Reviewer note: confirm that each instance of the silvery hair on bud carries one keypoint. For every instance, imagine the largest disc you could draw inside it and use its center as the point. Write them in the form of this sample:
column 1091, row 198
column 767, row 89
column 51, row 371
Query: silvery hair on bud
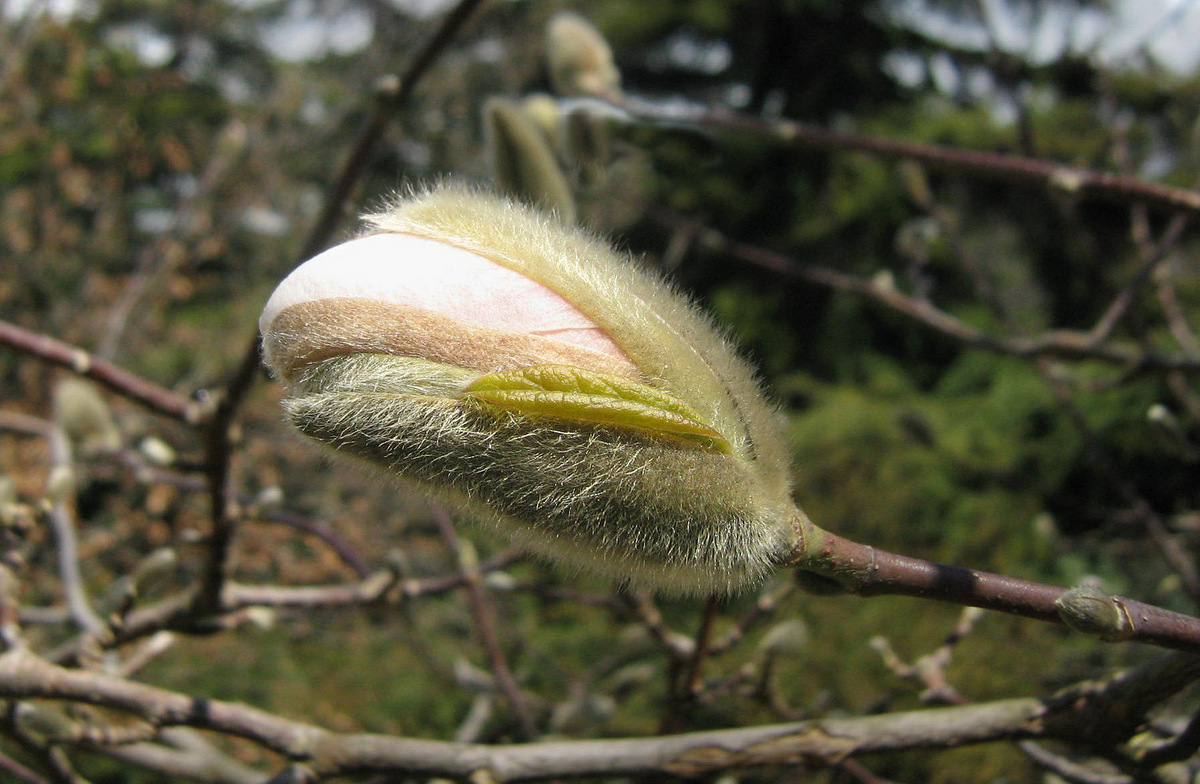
column 652, row 511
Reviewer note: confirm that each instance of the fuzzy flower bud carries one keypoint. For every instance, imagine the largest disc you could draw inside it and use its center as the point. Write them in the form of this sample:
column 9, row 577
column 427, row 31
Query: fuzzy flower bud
column 580, row 60
column 527, row 374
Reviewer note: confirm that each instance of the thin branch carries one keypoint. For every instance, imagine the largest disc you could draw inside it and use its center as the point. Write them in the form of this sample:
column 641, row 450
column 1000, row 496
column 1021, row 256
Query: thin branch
column 688, row 680
column 484, row 614
column 365, row 591
column 1182, row 746
column 145, row 473
column 860, row 773
column 1153, row 255
column 217, row 454
column 154, row 397
column 191, row 765
column 1060, row 344
column 156, row 262
column 219, row 435
column 61, row 520
column 921, row 192
column 1068, row 770
column 1172, row 552
column 929, row 671
column 678, row 646
column 1054, row 177
column 766, row 605
column 867, row 571
column 1173, row 312
column 393, row 96
column 16, row 769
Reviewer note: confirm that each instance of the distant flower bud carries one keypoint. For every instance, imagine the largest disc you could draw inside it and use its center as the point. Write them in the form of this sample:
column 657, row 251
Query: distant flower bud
column 784, row 638
column 83, row 414
column 580, row 60
column 156, row 451
column 269, row 500
column 60, row 484
column 526, row 373
column 523, row 165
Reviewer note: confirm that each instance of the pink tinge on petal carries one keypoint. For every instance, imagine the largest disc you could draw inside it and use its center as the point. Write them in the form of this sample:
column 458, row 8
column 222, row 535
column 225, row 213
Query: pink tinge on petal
column 408, row 270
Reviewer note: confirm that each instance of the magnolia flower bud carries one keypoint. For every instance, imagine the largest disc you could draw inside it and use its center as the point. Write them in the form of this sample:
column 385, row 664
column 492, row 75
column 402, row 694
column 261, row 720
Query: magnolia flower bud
column 580, row 60
column 523, row 371
column 522, row 162
column 84, row 416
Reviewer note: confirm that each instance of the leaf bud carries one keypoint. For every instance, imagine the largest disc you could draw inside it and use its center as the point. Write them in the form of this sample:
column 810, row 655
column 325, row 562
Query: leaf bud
column 1090, row 609
column 537, row 380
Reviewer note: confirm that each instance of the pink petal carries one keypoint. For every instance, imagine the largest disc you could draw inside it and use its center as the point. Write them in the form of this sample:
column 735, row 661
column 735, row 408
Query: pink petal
column 414, row 271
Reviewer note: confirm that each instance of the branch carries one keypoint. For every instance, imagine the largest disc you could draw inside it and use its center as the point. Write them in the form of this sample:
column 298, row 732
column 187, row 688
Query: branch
column 186, row 755
column 687, row 679
column 766, row 604
column 61, row 520
column 866, row 571
column 1074, row 181
column 150, row 395
column 1062, row 344
column 929, row 671
column 1096, row 714
column 484, row 613
column 1068, row 770
column 19, row 771
column 159, row 260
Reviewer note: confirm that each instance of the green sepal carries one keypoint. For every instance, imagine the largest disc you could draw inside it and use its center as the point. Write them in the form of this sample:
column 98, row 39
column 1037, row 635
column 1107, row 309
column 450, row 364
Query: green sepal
column 565, row 392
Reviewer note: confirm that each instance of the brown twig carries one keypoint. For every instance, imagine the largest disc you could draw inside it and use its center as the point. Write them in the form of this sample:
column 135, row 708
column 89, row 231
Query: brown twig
column 146, row 473
column 678, row 646
column 394, row 95
column 1059, row 344
column 1069, row 770
column 485, row 622
column 16, row 769
column 689, row 678
column 921, row 192
column 929, row 671
column 389, row 102
column 1152, row 255
column 154, row 397
column 1070, row 180
column 1182, row 746
column 867, row 571
column 1172, row 552
column 766, row 605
